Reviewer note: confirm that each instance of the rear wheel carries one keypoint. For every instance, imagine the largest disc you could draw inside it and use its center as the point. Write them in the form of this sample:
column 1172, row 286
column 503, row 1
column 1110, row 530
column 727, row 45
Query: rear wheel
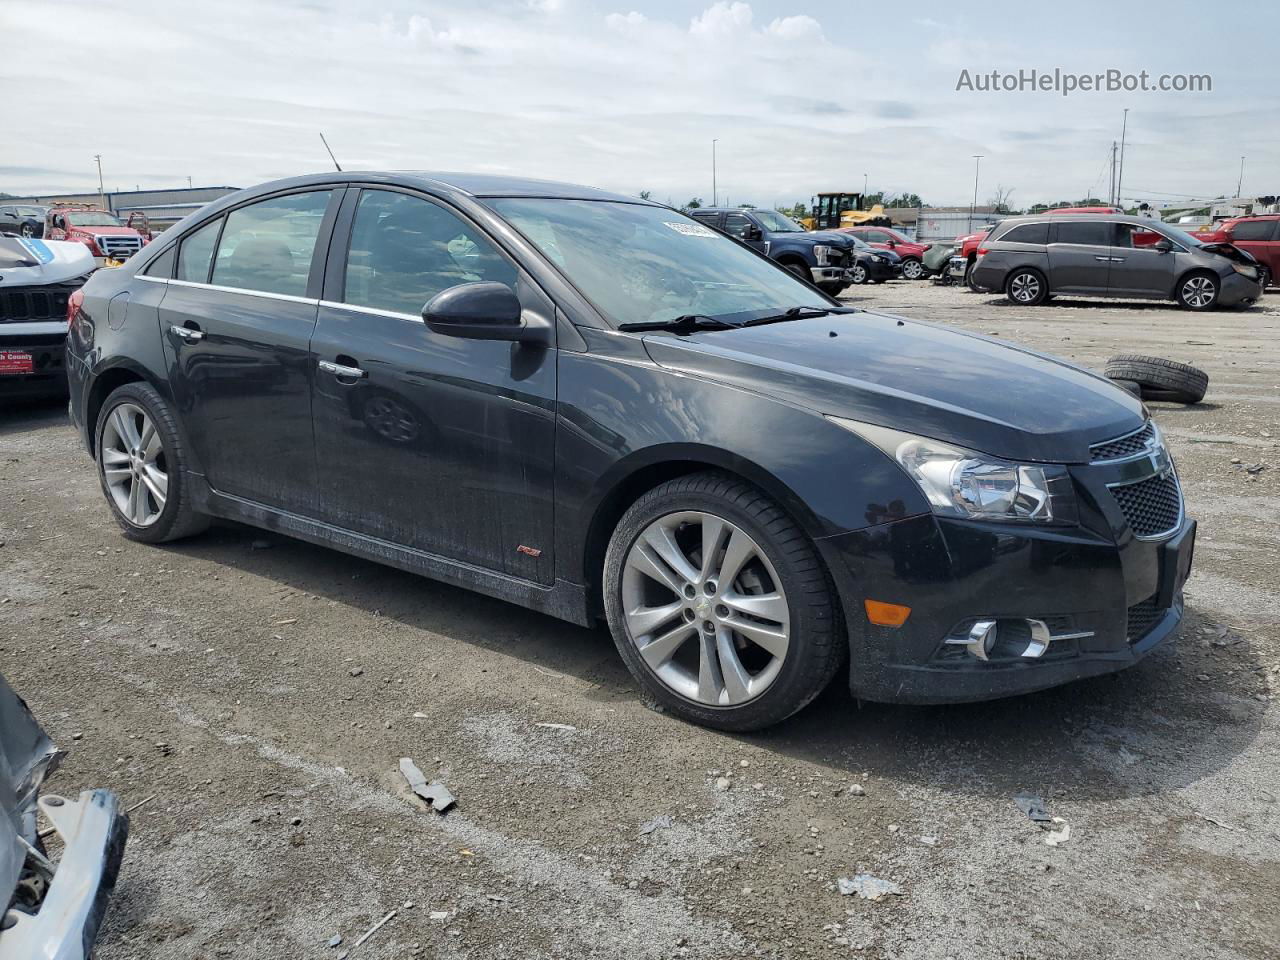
column 141, row 461
column 719, row 604
column 912, row 269
column 1199, row 291
column 1026, row 287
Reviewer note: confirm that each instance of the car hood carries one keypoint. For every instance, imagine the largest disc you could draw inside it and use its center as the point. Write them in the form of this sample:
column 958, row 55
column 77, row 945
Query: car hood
column 1230, row 251
column 829, row 237
column 930, row 380
column 27, row 262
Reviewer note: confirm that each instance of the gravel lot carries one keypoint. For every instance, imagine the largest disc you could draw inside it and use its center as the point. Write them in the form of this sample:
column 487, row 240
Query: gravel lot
column 264, row 696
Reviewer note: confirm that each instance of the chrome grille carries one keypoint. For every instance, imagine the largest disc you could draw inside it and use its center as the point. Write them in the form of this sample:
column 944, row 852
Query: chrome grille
column 1152, row 506
column 1126, row 446
column 119, row 247
column 1142, row 617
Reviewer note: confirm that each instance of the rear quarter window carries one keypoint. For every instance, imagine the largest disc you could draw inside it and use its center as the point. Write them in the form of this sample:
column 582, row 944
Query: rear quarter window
column 1027, row 233
column 1254, row 230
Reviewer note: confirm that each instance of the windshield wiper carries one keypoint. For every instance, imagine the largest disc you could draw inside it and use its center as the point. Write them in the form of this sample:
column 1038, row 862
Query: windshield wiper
column 798, row 313
column 687, row 323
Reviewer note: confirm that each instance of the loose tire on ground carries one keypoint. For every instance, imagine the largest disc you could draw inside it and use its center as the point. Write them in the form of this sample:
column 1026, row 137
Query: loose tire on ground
column 176, row 518
column 684, row 509
column 1160, row 379
column 1129, row 386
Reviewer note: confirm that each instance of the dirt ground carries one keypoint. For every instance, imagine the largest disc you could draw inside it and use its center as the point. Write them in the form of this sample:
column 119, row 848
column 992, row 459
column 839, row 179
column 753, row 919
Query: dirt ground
column 259, row 699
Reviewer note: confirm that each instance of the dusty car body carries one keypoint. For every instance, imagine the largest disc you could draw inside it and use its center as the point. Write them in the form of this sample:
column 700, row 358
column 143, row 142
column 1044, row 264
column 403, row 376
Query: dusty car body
column 50, row 911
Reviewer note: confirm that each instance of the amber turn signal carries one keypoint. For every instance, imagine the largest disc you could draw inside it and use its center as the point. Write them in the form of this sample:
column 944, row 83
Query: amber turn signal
column 886, row 614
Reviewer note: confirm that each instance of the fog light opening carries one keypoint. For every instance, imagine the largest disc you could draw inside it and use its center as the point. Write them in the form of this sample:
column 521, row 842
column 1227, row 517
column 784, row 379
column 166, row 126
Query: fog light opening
column 978, row 640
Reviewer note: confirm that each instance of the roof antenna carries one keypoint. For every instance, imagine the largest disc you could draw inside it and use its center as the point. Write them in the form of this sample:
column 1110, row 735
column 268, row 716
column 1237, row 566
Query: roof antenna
column 331, row 156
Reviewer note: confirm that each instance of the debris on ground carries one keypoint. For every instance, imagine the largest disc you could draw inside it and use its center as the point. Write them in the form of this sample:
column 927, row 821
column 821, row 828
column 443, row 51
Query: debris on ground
column 335, row 940
column 1057, row 838
column 868, row 887
column 723, row 783
column 1033, row 807
column 556, row 726
column 435, row 793
column 856, row 790
column 657, row 823
column 374, row 929
column 439, row 914
column 929, row 841
column 1218, row 823
column 356, row 671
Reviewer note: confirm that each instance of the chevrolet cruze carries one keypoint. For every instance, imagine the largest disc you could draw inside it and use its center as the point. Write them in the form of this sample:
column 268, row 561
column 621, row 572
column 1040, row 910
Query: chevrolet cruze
column 602, row 409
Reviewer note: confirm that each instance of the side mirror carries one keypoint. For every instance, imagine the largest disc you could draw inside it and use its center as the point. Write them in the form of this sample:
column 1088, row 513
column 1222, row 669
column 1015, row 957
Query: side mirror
column 892, row 244
column 751, row 232
column 483, row 311
column 1164, row 245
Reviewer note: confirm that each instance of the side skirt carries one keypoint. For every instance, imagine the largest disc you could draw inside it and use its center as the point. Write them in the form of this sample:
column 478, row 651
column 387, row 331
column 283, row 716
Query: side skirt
column 567, row 601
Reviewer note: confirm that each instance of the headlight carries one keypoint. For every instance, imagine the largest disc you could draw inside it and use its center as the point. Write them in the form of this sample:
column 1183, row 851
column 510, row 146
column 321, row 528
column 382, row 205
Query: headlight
column 820, row 254
column 962, row 483
column 1246, row 269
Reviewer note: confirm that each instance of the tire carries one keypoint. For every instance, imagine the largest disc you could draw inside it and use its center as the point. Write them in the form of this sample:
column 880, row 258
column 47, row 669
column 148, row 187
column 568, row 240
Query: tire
column 831, row 289
column 1264, row 277
column 968, row 277
column 694, row 680
column 28, row 230
column 800, row 270
column 146, row 517
column 1026, row 287
column 1198, row 291
column 859, row 273
column 1129, row 386
column 1160, row 379
column 912, row 269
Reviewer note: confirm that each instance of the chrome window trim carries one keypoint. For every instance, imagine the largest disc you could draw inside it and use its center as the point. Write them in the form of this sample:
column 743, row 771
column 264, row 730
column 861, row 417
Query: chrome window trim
column 151, row 279
column 374, row 311
column 288, row 297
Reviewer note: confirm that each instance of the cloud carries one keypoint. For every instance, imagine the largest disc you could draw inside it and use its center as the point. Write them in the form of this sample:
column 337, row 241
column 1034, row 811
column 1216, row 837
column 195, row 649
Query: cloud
column 722, row 19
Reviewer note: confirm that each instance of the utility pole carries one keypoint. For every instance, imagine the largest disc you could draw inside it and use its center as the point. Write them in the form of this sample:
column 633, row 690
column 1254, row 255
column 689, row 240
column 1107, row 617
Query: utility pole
column 1111, row 196
column 102, row 202
column 1240, row 182
column 713, row 171
column 188, row 181
column 973, row 208
column 1124, row 129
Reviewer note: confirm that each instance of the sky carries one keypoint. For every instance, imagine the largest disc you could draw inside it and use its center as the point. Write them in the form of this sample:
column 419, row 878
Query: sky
column 800, row 96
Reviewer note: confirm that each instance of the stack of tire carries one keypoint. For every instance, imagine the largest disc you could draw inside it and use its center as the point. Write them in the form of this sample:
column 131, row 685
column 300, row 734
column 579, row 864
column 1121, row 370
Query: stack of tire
column 1154, row 378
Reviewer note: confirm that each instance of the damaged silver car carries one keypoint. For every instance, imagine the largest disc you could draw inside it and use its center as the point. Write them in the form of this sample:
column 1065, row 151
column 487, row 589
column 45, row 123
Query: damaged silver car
column 50, row 910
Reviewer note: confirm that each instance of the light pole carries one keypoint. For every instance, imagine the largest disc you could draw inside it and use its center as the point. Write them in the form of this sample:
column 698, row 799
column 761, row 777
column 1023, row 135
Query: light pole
column 102, row 202
column 1240, row 182
column 864, row 188
column 1124, row 129
column 713, row 170
column 977, row 163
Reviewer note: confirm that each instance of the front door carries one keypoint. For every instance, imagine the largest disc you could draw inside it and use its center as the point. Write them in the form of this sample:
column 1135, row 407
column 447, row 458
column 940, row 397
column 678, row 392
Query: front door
column 1138, row 269
column 736, row 224
column 1079, row 256
column 237, row 320
column 433, row 442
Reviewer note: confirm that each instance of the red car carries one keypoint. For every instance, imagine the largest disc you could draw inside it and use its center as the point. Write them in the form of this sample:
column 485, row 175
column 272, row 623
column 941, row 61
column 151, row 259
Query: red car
column 107, row 238
column 883, row 238
column 967, row 246
column 1258, row 235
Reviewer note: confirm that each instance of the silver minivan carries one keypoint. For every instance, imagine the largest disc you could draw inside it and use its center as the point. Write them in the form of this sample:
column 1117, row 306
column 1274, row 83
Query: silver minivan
column 1031, row 259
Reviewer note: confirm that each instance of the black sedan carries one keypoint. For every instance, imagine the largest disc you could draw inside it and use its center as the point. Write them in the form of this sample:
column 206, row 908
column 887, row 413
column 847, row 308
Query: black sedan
column 598, row 408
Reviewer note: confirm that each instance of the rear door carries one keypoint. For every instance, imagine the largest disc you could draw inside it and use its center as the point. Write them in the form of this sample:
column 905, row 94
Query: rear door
column 1079, row 256
column 1138, row 269
column 433, row 442
column 237, row 321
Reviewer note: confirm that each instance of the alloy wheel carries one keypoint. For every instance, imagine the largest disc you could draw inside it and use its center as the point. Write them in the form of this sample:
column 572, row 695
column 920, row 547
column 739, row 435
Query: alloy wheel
column 705, row 608
column 859, row 274
column 1025, row 287
column 28, row 230
column 913, row 269
column 1199, row 291
column 133, row 465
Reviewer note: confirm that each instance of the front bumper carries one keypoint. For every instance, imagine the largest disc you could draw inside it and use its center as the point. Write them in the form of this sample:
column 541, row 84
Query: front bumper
column 66, row 925
column 828, row 274
column 1238, row 289
column 45, row 343
column 1115, row 603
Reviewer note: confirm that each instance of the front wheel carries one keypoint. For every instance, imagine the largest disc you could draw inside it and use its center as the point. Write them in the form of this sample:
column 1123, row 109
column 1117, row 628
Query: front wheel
column 28, row 230
column 859, row 273
column 912, row 269
column 1198, row 292
column 1026, row 287
column 141, row 461
column 1264, row 277
column 719, row 604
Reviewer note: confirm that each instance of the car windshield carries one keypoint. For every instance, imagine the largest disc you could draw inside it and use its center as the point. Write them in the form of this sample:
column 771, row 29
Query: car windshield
column 647, row 264
column 858, row 242
column 93, row 218
column 29, row 211
column 775, row 222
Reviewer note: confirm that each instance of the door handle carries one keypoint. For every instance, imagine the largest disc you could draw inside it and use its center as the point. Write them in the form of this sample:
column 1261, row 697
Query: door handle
column 339, row 370
column 1103, row 259
column 1117, row 259
column 188, row 334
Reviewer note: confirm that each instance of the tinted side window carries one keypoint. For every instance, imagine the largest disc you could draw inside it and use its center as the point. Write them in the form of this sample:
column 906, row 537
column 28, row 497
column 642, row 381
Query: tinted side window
column 161, row 266
column 1253, row 230
column 404, row 250
column 736, row 224
column 196, row 253
column 1094, row 234
column 710, row 218
column 876, row 236
column 1028, row 233
column 267, row 245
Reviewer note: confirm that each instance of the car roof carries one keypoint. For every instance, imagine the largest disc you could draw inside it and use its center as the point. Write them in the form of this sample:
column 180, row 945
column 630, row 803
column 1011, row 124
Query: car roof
column 477, row 185
column 1080, row 217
